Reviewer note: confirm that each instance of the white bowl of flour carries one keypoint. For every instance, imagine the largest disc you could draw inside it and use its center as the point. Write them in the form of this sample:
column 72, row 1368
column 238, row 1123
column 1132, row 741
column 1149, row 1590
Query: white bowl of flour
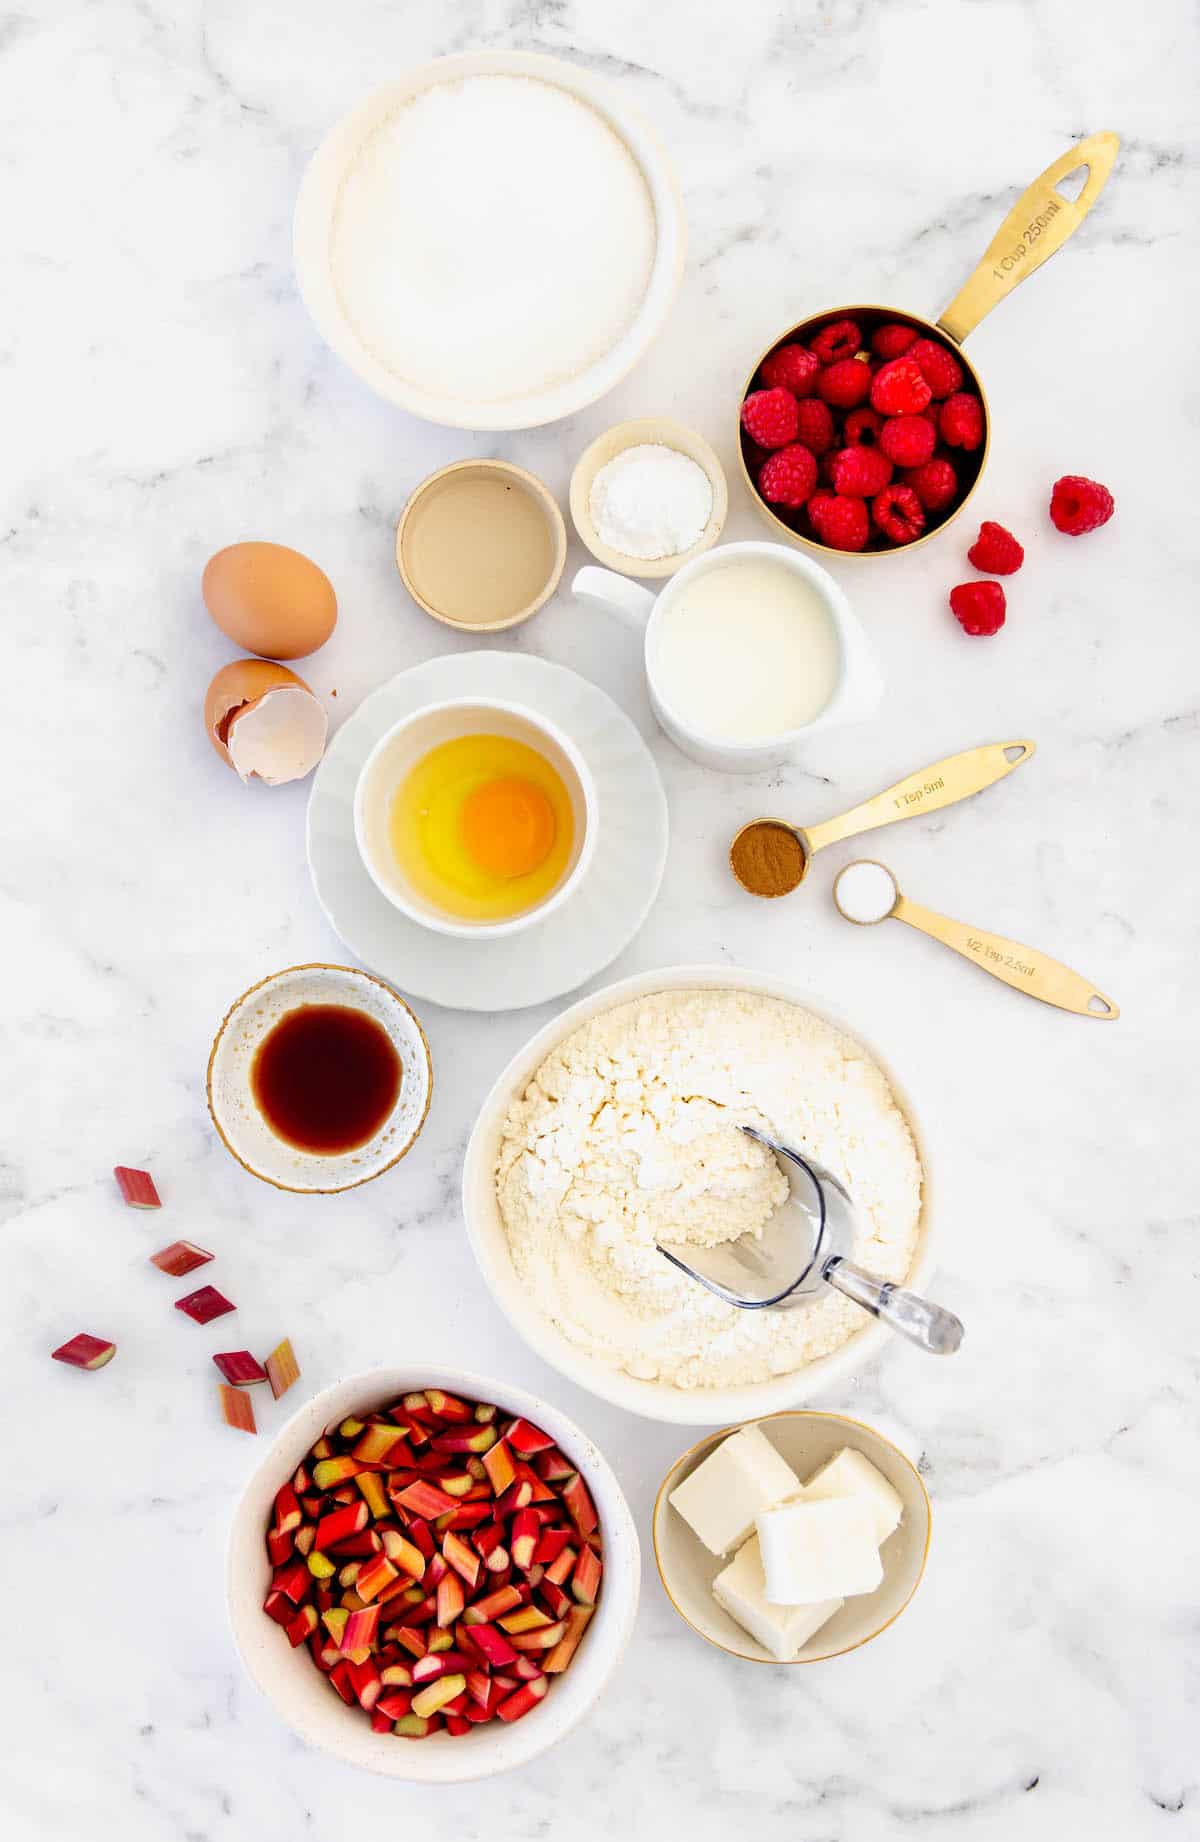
column 491, row 241
column 618, row 1122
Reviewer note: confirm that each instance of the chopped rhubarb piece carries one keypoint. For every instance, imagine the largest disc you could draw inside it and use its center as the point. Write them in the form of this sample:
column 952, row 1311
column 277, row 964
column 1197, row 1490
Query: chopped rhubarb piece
column 381, row 1445
column 374, row 1576
column 425, row 1499
column 448, row 1406
column 580, row 1505
column 237, row 1408
column 470, row 1516
column 525, row 1439
column 328, row 1472
column 360, row 1545
column 319, row 1565
column 282, row 1370
column 585, row 1581
column 526, row 1697
column 304, row 1538
column 504, row 1599
column 205, row 1304
column 500, row 1468
column 564, row 1650
column 456, row 1483
column 85, row 1352
column 552, row 1467
column 519, row 1495
column 380, row 1723
column 497, row 1561
column 414, row 1727
column 279, row 1547
column 287, row 1509
column 348, row 1520
column 479, row 1687
column 430, row 1700
column 137, row 1187
column 403, row 1553
column 485, row 1412
column 393, row 1705
column 240, row 1368
column 473, row 1439
column 292, row 1579
column 523, row 1538
column 323, row 1448
column 464, row 1560
column 411, row 1640
column 450, row 1600
column 539, row 1492
column 560, row 1571
column 367, row 1482
column 359, row 1633
column 525, row 1618
column 339, row 1675
column 555, row 1599
column 493, row 1646
column 179, row 1258
column 551, row 1543
column 302, row 1626
column 278, row 1606
column 545, row 1639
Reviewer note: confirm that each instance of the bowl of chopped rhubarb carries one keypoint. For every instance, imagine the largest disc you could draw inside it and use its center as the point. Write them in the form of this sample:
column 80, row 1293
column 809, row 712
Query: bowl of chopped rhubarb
column 427, row 1555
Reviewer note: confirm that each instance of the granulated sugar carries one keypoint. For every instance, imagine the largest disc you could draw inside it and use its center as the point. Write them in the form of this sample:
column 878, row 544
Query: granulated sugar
column 493, row 237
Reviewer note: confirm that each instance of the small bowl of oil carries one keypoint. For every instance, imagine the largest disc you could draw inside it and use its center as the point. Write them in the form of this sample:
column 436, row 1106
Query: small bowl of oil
column 475, row 818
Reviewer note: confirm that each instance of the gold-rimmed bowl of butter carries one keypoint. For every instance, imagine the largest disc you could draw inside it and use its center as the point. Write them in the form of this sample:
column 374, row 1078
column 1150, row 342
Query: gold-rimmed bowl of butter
column 831, row 1458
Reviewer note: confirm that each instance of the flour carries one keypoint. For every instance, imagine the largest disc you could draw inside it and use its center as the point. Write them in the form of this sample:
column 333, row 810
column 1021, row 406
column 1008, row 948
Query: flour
column 628, row 1133
column 650, row 501
column 492, row 237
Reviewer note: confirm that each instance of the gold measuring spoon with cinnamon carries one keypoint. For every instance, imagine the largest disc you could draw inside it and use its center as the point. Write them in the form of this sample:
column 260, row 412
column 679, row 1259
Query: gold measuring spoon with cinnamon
column 770, row 857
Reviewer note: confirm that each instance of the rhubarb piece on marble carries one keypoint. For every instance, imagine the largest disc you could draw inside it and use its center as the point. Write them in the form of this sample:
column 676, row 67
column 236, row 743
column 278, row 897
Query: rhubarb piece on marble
column 237, row 1408
column 205, row 1304
column 179, row 1258
column 85, row 1352
column 240, row 1368
column 137, row 1187
column 282, row 1368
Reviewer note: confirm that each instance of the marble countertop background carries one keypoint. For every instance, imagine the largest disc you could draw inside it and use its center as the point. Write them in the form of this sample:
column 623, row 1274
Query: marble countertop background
column 165, row 394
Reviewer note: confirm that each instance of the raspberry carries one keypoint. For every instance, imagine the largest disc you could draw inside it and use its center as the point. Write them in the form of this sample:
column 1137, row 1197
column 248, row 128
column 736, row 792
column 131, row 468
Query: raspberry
column 788, row 476
column 769, row 417
column 755, row 457
column 841, row 523
column 861, row 472
column 908, row 440
column 978, row 607
column 960, row 421
column 839, row 340
column 816, row 428
column 862, row 427
column 892, row 340
column 897, row 511
column 845, row 384
column 935, row 484
column 898, row 389
column 1078, row 505
column 791, row 368
column 940, row 368
column 995, row 551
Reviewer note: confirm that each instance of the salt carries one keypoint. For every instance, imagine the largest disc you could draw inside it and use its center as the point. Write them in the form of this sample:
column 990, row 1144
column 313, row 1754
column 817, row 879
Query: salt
column 493, row 237
column 650, row 501
column 865, row 891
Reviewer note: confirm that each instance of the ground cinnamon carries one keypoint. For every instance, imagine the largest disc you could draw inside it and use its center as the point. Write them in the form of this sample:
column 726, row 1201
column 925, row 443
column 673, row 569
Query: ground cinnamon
column 767, row 858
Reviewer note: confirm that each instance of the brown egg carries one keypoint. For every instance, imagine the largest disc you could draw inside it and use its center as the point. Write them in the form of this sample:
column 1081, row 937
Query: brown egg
column 264, row 721
column 269, row 599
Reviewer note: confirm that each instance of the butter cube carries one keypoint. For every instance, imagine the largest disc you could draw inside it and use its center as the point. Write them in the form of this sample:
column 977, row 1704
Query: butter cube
column 849, row 1474
column 819, row 1550
column 781, row 1629
column 723, row 1495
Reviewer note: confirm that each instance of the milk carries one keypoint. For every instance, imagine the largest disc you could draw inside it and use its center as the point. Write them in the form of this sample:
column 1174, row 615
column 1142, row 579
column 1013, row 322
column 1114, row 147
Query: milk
column 746, row 650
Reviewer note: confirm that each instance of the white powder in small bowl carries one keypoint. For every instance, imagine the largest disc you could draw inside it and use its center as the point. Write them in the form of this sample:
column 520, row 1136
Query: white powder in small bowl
column 650, row 501
column 493, row 237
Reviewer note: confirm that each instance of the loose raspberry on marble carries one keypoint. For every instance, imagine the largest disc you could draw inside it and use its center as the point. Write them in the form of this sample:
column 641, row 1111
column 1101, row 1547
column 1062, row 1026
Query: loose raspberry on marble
column 898, row 513
column 996, row 551
column 841, row 523
column 960, row 421
column 792, row 367
column 978, row 607
column 1079, row 505
column 845, row 384
column 940, row 368
column 898, row 389
column 935, row 484
column 909, row 441
column 861, row 428
column 788, row 476
column 769, row 417
column 860, row 472
column 841, row 339
column 892, row 340
column 816, row 427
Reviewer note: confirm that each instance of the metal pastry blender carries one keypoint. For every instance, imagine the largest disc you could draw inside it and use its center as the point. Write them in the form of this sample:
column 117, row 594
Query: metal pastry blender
column 802, row 1249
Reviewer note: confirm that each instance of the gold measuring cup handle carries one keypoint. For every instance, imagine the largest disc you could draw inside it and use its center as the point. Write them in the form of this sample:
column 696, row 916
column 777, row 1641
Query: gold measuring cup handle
column 1038, row 224
column 1022, row 967
column 941, row 784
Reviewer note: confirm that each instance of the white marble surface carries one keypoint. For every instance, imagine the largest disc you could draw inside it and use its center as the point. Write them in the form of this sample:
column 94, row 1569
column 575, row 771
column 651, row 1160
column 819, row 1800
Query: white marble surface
column 164, row 395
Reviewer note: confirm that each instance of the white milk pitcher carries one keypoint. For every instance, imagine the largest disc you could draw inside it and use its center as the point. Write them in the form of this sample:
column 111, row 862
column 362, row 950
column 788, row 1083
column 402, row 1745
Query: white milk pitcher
column 845, row 657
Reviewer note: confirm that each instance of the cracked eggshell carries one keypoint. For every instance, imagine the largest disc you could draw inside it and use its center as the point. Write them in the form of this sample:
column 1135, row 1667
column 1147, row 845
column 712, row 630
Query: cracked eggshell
column 269, row 599
column 264, row 721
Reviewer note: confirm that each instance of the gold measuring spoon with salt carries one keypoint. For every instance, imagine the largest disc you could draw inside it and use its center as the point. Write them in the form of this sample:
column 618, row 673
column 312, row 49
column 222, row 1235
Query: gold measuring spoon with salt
column 866, row 892
column 770, row 857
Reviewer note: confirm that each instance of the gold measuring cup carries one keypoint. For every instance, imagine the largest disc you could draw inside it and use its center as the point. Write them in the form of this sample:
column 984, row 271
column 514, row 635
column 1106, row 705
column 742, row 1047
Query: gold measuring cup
column 1022, row 967
column 1038, row 225
column 941, row 784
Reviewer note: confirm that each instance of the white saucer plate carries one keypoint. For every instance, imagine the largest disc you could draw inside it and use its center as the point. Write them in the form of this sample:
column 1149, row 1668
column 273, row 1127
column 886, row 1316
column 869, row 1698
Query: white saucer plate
column 569, row 946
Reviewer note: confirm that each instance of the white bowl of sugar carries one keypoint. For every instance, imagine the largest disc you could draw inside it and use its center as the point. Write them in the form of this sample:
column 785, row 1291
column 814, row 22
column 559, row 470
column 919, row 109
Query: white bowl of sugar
column 491, row 241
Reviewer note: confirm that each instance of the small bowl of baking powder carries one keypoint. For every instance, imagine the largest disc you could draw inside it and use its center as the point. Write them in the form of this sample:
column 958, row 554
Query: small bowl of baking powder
column 648, row 496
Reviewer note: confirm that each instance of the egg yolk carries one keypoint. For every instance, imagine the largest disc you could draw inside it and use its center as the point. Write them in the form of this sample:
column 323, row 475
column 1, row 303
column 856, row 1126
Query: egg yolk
column 508, row 826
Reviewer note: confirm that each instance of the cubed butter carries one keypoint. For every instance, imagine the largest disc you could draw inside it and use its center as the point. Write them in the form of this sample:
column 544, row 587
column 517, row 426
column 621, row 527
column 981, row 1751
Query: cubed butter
column 781, row 1629
column 849, row 1474
column 819, row 1550
column 723, row 1495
